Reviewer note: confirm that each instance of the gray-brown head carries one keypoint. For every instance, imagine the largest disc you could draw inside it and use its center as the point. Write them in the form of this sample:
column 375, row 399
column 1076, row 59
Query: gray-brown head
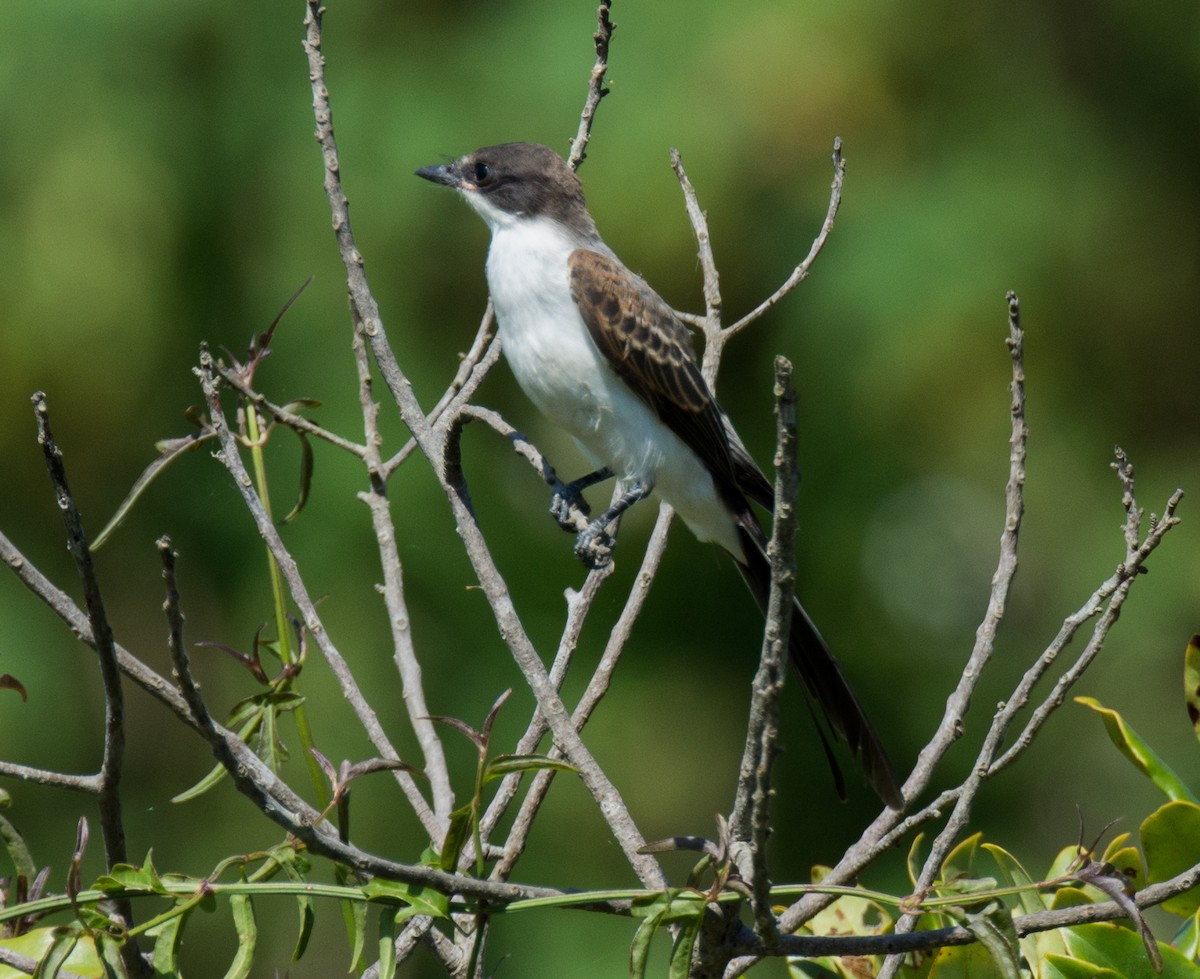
column 515, row 180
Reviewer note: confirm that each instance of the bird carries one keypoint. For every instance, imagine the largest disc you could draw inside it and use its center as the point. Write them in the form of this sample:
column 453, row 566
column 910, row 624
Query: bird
column 604, row 357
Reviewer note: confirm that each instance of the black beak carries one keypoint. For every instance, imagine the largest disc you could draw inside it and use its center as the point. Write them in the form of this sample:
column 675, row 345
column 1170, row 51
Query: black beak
column 441, row 174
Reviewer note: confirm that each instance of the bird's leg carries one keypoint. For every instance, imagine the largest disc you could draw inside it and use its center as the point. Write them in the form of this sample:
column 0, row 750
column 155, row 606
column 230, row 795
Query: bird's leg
column 594, row 545
column 567, row 504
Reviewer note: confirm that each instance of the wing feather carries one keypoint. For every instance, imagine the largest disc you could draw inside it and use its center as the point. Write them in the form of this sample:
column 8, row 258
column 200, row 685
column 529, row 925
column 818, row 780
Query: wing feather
column 649, row 347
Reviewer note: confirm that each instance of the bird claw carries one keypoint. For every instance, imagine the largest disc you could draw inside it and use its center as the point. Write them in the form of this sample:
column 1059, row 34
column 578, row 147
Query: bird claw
column 594, row 546
column 568, row 507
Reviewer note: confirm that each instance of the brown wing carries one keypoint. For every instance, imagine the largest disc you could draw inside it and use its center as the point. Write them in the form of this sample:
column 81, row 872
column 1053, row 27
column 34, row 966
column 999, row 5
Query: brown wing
column 650, row 349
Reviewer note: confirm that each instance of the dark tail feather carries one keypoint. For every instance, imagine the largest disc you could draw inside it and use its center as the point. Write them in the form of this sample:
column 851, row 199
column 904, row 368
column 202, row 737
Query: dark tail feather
column 824, row 682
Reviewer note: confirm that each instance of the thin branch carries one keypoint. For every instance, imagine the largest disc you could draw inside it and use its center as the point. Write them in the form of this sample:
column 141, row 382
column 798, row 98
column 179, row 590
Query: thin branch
column 514, row 845
column 253, row 778
column 870, row 843
column 181, row 664
column 285, row 417
column 810, row 946
column 54, row 780
column 472, row 369
column 986, row 764
column 751, row 819
column 596, row 90
column 404, row 652
column 29, row 967
column 363, row 308
column 801, row 271
column 1114, row 591
column 699, row 221
column 605, row 794
column 231, row 458
column 958, row 703
column 108, row 780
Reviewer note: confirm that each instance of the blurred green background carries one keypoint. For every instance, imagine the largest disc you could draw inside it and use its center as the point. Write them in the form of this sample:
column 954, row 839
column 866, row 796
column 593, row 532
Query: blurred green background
column 159, row 186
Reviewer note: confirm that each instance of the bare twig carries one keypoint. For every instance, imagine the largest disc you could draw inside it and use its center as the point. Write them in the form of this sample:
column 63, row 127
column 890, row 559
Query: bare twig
column 54, row 780
column 231, row 458
column 596, row 90
column 108, row 779
column 951, row 726
column 404, row 652
column 363, row 308
column 285, row 417
column 699, row 221
column 29, row 967
column 800, row 273
column 751, row 818
column 959, row 702
column 1025, row 924
column 254, row 779
column 182, row 666
column 598, row 685
column 605, row 794
column 472, row 369
column 887, row 829
column 1114, row 591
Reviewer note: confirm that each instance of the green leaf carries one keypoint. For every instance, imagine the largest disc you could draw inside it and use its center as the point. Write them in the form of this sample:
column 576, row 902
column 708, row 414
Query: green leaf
column 62, row 944
column 1012, row 874
column 1067, row 857
column 993, row 928
column 209, row 781
column 110, row 958
column 1191, row 683
column 914, row 860
column 639, row 950
column 387, row 943
column 685, row 943
column 1131, row 745
column 167, row 937
column 960, row 862
column 306, row 474
column 1064, row 967
column 247, row 934
column 502, row 765
column 170, row 450
column 1071, row 897
column 1110, row 947
column 425, row 900
column 355, row 916
column 653, row 911
column 36, row 943
column 1171, row 839
column 18, row 850
column 963, row 962
column 658, row 909
column 1187, row 939
column 457, row 834
column 125, row 876
column 294, row 867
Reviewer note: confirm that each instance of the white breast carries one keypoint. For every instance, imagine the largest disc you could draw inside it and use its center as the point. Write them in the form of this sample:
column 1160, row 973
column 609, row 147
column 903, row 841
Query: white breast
column 560, row 369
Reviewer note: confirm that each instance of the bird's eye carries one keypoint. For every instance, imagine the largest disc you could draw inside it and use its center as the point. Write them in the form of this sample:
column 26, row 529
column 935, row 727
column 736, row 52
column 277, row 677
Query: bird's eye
column 483, row 173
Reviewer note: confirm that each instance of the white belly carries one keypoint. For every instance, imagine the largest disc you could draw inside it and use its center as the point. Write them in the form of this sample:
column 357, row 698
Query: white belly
column 560, row 369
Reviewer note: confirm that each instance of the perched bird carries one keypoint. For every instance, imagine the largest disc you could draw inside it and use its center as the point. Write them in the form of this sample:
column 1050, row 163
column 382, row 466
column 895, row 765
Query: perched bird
column 604, row 357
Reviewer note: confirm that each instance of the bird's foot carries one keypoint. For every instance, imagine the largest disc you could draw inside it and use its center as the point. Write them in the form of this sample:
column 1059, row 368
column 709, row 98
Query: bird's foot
column 594, row 545
column 567, row 504
column 568, row 507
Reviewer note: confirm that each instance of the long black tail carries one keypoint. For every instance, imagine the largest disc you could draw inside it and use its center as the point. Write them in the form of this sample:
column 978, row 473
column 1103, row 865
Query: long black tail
column 823, row 679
